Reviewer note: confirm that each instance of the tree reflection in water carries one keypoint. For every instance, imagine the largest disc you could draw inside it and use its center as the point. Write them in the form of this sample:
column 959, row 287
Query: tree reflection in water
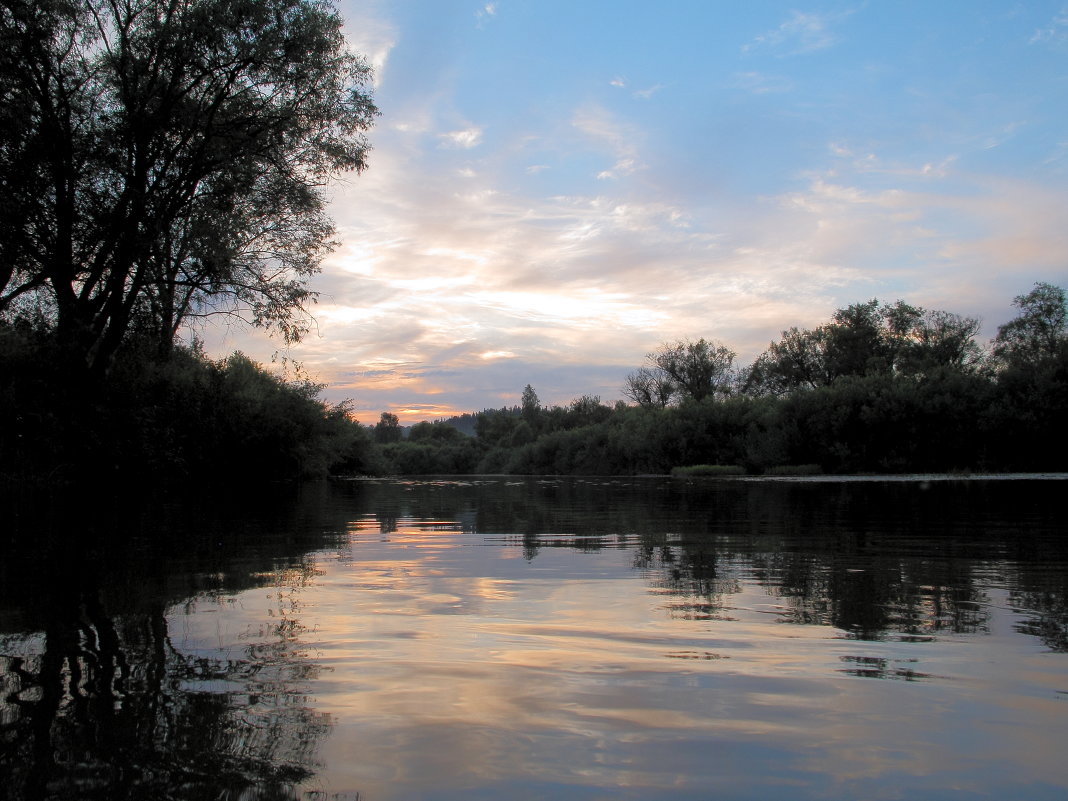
column 878, row 560
column 97, row 700
column 104, row 695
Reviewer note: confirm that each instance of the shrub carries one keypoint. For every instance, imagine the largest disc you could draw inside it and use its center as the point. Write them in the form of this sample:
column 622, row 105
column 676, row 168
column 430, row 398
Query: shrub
column 794, row 470
column 709, row 470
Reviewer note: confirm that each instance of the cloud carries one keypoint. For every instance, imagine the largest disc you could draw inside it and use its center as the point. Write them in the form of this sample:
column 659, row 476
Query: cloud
column 801, row 33
column 483, row 14
column 620, row 138
column 1055, row 33
column 645, row 94
column 1059, row 157
column 861, row 162
column 461, row 278
column 620, row 168
column 1001, row 135
column 641, row 94
column 464, row 139
column 760, row 84
column 455, row 299
column 371, row 35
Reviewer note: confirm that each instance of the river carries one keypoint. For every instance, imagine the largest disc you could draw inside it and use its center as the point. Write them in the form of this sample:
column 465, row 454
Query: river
column 529, row 638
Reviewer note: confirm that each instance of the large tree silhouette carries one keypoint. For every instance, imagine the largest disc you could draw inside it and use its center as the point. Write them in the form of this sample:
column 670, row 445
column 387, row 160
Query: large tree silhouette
column 164, row 158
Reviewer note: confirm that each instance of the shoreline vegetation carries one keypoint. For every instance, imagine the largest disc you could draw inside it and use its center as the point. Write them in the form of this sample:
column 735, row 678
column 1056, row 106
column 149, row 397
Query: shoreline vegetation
column 882, row 389
column 149, row 183
column 900, row 408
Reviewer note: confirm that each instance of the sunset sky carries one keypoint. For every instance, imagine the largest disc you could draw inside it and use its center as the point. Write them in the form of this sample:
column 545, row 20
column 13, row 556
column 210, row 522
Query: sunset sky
column 555, row 188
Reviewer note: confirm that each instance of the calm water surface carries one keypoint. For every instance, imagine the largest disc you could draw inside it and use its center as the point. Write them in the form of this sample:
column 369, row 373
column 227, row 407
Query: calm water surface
column 496, row 638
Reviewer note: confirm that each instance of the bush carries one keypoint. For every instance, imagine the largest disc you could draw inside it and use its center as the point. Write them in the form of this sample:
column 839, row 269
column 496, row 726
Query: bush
column 708, row 470
column 152, row 419
column 794, row 470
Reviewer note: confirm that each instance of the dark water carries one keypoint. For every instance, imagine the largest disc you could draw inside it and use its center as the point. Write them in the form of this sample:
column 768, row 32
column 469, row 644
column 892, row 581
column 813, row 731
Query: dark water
column 525, row 639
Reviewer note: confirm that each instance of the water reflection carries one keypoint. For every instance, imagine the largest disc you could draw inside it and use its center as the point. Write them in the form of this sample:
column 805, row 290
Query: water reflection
column 102, row 694
column 875, row 559
column 539, row 638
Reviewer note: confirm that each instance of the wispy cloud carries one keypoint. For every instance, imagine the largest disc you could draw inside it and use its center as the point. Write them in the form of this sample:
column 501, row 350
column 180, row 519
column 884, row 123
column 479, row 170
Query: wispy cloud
column 645, row 94
column 761, row 84
column 803, row 32
column 621, row 139
column 1058, row 159
column 558, row 240
column 485, row 13
column 1055, row 33
column 374, row 37
column 863, row 162
column 464, row 139
column 441, row 295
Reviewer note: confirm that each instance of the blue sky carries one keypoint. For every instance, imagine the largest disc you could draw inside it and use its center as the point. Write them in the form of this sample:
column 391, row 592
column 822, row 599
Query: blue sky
column 555, row 188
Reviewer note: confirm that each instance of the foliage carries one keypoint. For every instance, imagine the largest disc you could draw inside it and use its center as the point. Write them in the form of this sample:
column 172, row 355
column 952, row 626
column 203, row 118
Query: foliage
column 649, row 386
column 388, row 429
column 682, row 370
column 530, row 406
column 865, row 339
column 878, row 389
column 434, row 432
column 162, row 160
column 794, row 470
column 1038, row 332
column 711, row 470
column 430, row 457
column 183, row 417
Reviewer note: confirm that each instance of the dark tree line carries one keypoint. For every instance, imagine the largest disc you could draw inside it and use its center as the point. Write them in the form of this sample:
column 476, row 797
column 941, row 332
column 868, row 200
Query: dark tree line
column 162, row 161
column 878, row 388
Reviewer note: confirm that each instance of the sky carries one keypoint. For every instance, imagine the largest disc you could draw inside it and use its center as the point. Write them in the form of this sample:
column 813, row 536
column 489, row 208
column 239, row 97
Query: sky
column 557, row 188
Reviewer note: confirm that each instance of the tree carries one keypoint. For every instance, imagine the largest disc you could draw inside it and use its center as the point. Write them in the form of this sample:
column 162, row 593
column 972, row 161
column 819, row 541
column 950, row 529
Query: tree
column 698, row 370
column 388, row 429
column 649, row 386
column 797, row 361
column 531, row 406
column 865, row 339
column 855, row 342
column 437, row 432
column 941, row 339
column 682, row 370
column 585, row 411
column 1038, row 331
column 164, row 159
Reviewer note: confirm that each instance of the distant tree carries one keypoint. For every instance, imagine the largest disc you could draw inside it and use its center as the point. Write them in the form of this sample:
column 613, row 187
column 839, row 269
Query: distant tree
column 797, row 361
column 496, row 426
column 586, row 411
column 388, row 429
column 698, row 370
column 855, row 342
column 464, row 423
column 649, row 386
column 167, row 159
column 531, row 406
column 1038, row 331
column 865, row 339
column 941, row 339
column 438, row 432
